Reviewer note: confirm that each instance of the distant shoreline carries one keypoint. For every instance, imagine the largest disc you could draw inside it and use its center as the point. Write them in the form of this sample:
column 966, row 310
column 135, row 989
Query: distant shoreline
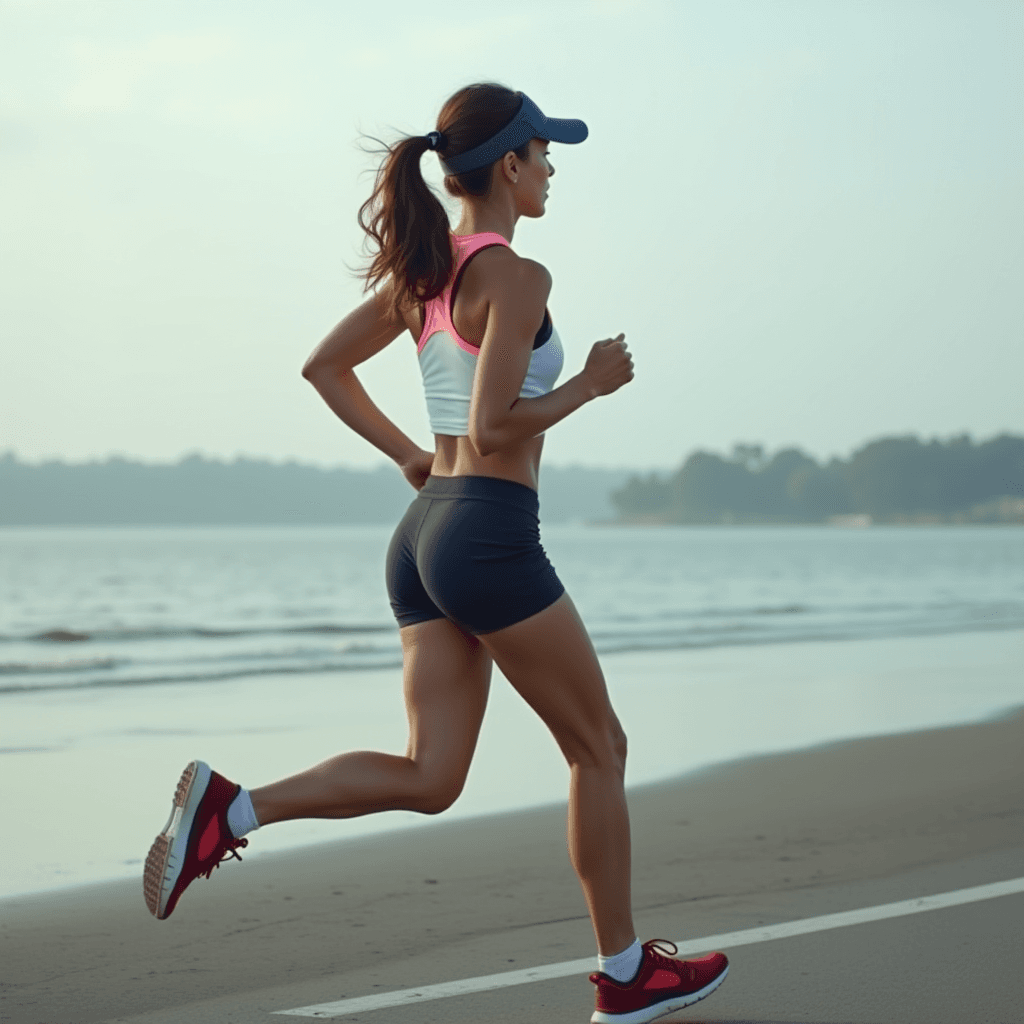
column 892, row 480
column 919, row 523
column 206, row 492
column 897, row 481
column 592, row 523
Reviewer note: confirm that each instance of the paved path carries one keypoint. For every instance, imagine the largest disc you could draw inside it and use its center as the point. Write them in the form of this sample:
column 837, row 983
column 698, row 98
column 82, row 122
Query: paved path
column 957, row 965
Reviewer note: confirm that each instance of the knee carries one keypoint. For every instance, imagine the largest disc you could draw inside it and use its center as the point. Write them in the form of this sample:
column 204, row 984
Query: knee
column 617, row 749
column 605, row 750
column 437, row 796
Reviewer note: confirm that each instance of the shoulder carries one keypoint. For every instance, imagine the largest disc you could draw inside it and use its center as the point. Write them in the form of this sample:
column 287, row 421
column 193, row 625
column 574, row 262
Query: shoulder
column 505, row 276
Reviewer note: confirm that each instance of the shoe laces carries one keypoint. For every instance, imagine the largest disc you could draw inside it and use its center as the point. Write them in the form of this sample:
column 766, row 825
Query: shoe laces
column 661, row 949
column 229, row 852
column 662, row 952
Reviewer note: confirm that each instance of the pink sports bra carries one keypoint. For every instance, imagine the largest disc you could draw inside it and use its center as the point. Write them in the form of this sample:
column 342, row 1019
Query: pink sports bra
column 448, row 361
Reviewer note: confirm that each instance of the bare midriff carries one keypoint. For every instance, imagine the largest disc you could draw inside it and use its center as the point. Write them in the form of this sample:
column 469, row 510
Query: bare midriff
column 456, row 456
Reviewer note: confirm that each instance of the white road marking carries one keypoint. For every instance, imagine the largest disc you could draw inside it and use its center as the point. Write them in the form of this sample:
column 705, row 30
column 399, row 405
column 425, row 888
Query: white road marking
column 687, row 947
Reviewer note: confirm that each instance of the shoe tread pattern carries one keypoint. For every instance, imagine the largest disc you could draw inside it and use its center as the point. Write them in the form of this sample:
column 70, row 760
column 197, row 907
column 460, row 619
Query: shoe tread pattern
column 155, row 870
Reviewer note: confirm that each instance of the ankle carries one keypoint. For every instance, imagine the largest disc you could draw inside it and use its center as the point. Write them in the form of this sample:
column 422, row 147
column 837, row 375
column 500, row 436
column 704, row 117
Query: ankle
column 622, row 966
column 241, row 815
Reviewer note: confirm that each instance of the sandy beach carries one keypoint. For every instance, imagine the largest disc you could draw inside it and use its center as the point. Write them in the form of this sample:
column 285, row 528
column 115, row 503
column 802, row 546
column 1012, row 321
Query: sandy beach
column 766, row 699
column 755, row 841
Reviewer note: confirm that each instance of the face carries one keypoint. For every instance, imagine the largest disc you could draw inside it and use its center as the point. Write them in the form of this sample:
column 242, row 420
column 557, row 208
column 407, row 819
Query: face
column 530, row 178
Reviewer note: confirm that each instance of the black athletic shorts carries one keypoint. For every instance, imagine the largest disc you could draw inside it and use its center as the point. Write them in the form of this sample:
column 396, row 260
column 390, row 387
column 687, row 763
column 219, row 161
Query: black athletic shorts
column 468, row 549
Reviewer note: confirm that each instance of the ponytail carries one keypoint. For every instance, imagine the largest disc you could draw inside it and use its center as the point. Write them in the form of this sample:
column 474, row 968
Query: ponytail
column 405, row 220
column 408, row 226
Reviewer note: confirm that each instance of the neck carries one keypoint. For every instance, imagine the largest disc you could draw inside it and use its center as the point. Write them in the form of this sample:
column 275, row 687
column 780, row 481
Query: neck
column 497, row 214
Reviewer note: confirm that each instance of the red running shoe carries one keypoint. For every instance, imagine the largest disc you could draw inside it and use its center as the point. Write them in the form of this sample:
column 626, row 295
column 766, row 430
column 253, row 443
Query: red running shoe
column 660, row 986
column 194, row 840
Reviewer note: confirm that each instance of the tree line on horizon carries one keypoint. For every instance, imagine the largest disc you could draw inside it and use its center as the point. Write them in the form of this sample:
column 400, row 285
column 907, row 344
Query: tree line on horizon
column 197, row 490
column 889, row 480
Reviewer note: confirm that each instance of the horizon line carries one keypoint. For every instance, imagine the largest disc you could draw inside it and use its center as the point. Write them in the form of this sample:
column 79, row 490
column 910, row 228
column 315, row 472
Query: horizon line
column 10, row 454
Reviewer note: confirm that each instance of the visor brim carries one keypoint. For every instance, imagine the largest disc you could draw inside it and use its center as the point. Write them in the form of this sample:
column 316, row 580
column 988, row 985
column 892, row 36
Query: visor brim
column 561, row 129
column 528, row 123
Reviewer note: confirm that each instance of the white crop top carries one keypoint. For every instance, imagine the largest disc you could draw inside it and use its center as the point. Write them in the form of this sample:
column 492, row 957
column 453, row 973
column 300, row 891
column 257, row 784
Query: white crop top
column 448, row 361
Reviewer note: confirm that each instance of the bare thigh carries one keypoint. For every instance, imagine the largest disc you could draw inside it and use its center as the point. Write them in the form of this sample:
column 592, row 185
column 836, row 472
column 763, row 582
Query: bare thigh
column 551, row 662
column 447, row 674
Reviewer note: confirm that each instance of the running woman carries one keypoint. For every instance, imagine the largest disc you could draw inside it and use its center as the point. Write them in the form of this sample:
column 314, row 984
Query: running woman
column 468, row 580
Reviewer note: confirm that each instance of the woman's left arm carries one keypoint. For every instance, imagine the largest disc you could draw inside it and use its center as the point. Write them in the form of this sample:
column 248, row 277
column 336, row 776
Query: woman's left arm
column 368, row 329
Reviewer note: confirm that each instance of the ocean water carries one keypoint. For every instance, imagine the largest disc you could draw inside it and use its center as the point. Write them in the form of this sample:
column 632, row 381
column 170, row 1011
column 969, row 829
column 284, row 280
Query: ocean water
column 93, row 607
column 126, row 652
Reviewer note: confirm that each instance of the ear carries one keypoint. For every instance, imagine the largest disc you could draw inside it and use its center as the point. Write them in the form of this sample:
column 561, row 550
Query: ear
column 510, row 167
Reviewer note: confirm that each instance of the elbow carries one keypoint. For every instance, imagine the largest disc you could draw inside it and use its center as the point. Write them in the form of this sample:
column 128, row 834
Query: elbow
column 482, row 440
column 312, row 369
column 316, row 371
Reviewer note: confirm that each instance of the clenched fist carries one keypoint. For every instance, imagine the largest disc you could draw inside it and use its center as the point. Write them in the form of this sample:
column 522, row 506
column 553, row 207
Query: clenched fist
column 609, row 366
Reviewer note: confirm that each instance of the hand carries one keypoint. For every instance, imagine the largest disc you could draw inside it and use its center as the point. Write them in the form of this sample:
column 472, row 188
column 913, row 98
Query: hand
column 609, row 366
column 417, row 467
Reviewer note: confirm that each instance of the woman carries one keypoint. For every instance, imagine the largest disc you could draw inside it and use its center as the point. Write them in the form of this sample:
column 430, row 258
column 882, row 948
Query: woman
column 468, row 580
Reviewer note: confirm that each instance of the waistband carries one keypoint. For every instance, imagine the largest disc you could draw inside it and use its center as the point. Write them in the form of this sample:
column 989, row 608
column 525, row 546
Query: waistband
column 482, row 488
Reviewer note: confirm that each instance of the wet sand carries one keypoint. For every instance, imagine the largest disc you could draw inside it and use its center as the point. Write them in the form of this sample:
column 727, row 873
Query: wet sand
column 759, row 840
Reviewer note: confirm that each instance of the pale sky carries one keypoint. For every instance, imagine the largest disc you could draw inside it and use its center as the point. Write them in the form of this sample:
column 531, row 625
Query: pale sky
column 807, row 217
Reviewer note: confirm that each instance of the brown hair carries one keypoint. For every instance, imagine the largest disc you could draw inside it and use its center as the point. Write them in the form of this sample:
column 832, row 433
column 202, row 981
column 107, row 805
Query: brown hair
column 405, row 220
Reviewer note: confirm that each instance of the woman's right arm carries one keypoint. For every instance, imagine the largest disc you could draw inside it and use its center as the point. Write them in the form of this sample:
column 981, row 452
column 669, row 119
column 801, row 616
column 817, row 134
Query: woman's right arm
column 498, row 417
column 363, row 333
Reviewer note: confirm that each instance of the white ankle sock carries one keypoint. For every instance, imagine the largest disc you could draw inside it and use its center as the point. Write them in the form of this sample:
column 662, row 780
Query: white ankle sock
column 623, row 966
column 241, row 816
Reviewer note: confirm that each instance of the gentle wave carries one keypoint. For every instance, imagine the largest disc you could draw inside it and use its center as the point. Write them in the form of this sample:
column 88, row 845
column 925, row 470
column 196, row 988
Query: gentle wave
column 202, row 677
column 605, row 642
column 61, row 635
column 199, row 657
column 133, row 634
column 12, row 668
column 711, row 613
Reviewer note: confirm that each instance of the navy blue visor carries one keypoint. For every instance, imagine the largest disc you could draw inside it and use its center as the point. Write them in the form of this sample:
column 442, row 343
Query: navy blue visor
column 529, row 123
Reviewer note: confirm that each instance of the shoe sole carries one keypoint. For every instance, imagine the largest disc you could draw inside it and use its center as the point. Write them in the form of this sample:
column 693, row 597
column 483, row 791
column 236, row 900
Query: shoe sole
column 659, row 1009
column 167, row 854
